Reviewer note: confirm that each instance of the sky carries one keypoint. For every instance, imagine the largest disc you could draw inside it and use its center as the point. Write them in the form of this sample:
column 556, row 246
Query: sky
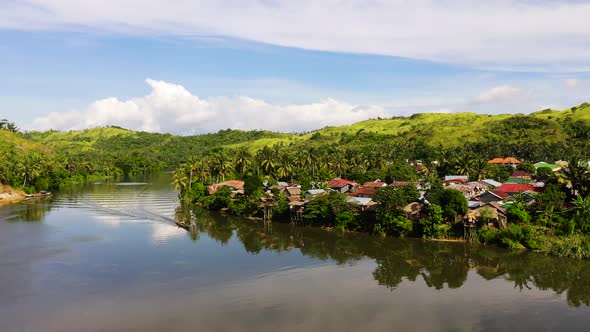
column 191, row 67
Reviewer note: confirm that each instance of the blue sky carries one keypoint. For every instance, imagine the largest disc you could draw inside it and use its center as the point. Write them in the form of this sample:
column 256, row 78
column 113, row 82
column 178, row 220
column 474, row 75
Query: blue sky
column 66, row 66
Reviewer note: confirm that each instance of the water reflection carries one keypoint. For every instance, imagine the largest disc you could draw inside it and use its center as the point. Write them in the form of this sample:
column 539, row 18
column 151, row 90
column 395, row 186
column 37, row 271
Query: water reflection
column 439, row 264
column 28, row 210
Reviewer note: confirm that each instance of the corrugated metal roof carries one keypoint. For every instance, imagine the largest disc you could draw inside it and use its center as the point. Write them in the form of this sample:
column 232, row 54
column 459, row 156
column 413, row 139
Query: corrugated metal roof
column 492, row 183
column 359, row 200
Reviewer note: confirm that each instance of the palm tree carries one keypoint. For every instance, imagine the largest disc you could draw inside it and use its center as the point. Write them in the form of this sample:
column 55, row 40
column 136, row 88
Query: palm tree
column 30, row 167
column 285, row 167
column 202, row 171
column 577, row 174
column 478, row 168
column 180, row 179
column 338, row 164
column 243, row 160
column 267, row 160
column 464, row 164
column 192, row 164
column 225, row 167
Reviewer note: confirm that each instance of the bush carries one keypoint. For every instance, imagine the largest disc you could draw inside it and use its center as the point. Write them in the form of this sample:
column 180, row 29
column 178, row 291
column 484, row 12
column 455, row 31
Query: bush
column 567, row 227
column 516, row 215
column 526, row 167
column 197, row 192
column 576, row 246
column 431, row 224
column 322, row 210
column 244, row 206
column 517, row 237
column 488, row 235
column 252, row 185
column 511, row 244
column 282, row 207
column 393, row 225
column 219, row 200
column 541, row 171
column 345, row 220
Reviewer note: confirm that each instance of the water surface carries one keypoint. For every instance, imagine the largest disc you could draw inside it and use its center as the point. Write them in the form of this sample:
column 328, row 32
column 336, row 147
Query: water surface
column 108, row 257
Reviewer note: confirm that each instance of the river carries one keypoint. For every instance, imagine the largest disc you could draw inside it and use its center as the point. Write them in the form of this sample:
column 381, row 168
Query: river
column 108, row 257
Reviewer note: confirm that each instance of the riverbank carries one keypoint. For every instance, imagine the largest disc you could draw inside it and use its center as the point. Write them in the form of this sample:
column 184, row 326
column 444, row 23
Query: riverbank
column 9, row 195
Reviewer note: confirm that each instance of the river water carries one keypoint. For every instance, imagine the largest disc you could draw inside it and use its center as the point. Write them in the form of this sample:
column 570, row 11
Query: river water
column 108, row 257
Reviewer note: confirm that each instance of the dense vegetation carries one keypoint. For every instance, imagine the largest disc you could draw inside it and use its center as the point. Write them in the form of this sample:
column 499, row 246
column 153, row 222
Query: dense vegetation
column 387, row 149
column 557, row 221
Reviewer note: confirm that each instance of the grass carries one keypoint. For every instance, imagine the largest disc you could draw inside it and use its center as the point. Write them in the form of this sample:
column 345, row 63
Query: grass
column 450, row 130
column 22, row 143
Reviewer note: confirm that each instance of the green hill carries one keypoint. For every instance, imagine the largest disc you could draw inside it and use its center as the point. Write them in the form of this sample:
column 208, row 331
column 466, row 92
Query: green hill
column 54, row 157
column 453, row 129
column 435, row 129
column 16, row 140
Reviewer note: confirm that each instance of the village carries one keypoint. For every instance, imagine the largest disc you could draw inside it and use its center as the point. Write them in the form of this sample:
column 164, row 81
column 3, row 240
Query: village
column 487, row 199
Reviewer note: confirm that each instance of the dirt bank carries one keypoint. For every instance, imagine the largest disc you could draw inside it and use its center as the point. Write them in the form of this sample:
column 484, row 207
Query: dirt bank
column 10, row 195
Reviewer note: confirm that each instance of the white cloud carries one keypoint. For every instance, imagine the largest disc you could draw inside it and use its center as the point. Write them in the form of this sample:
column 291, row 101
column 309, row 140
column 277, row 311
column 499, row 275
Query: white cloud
column 171, row 108
column 572, row 83
column 498, row 94
column 543, row 35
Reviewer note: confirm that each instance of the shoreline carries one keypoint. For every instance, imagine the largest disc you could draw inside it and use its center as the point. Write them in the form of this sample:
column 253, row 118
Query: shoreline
column 9, row 195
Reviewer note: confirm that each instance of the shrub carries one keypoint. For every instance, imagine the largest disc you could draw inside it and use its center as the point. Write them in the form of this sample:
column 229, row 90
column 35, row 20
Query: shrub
column 575, row 246
column 517, row 237
column 541, row 171
column 431, row 224
column 219, row 200
column 488, row 235
column 197, row 192
column 511, row 244
column 516, row 215
column 567, row 227
column 244, row 206
column 396, row 225
column 345, row 220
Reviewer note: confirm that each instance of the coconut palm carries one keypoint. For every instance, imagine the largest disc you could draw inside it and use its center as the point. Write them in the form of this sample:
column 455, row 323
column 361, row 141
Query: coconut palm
column 577, row 175
column 478, row 168
column 180, row 179
column 243, row 160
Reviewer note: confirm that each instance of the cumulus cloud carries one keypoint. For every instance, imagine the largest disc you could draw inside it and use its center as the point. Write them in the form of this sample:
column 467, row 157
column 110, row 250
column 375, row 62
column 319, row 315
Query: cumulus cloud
column 498, row 94
column 172, row 108
column 540, row 35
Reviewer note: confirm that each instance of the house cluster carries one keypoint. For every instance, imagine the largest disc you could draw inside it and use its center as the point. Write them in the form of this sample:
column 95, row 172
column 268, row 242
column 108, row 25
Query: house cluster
column 495, row 196
column 359, row 194
column 481, row 195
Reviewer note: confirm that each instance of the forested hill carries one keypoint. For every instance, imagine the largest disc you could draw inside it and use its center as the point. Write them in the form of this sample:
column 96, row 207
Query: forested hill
column 538, row 136
column 515, row 133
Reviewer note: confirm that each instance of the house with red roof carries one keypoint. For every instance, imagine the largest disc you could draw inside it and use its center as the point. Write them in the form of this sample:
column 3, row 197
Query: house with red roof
column 514, row 188
column 364, row 192
column 342, row 185
column 375, row 184
column 368, row 189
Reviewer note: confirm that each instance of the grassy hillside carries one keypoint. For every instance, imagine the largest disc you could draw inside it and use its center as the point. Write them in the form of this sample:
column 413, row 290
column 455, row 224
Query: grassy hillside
column 8, row 138
column 435, row 129
column 453, row 129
